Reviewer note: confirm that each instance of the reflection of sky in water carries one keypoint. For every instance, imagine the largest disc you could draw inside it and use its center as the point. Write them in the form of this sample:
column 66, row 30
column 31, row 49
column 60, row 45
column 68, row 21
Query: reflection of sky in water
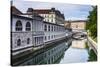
column 75, row 55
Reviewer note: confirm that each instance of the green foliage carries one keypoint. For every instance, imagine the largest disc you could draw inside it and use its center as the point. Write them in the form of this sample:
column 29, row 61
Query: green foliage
column 91, row 24
column 92, row 56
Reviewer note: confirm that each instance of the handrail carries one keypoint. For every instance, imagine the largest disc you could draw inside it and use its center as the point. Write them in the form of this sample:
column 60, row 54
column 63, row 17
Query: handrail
column 93, row 44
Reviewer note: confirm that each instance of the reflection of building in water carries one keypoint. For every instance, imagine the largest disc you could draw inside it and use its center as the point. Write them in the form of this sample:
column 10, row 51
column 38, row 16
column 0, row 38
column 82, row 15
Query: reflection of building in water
column 78, row 43
column 55, row 53
column 49, row 57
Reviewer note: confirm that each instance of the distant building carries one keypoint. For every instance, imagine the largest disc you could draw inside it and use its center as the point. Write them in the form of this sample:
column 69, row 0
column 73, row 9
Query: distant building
column 76, row 25
column 50, row 15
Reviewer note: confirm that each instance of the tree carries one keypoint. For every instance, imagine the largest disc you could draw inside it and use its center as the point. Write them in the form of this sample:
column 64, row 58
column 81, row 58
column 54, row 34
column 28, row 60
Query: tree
column 91, row 24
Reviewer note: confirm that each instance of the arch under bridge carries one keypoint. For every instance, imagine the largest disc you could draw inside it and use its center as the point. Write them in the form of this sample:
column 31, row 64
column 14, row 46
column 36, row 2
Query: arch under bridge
column 83, row 35
column 79, row 35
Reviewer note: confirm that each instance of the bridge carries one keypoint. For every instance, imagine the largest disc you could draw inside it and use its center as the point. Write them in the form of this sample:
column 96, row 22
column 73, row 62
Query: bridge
column 81, row 35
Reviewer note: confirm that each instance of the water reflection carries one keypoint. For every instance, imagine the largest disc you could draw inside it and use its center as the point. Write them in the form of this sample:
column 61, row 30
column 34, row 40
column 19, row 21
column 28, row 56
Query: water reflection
column 70, row 51
column 49, row 56
column 76, row 53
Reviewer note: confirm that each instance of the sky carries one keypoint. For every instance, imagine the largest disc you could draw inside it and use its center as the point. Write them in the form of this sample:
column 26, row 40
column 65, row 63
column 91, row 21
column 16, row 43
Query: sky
column 70, row 11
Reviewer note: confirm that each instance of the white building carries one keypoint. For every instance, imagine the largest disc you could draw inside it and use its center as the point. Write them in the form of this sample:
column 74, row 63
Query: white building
column 26, row 32
column 53, row 32
column 50, row 15
column 21, row 33
column 52, row 29
column 29, row 31
column 38, row 34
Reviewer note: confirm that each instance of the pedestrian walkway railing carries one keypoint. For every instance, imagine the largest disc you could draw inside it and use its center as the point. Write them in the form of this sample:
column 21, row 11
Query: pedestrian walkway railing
column 92, row 44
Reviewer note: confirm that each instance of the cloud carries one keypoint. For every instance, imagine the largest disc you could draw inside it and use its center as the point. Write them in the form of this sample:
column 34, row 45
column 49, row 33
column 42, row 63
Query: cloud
column 69, row 10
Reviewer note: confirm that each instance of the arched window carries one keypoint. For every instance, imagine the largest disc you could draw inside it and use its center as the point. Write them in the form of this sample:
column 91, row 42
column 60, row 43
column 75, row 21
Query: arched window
column 28, row 41
column 28, row 26
column 18, row 26
column 18, row 42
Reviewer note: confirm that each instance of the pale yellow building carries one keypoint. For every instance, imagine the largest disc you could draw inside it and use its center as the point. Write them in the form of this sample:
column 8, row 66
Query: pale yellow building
column 77, row 25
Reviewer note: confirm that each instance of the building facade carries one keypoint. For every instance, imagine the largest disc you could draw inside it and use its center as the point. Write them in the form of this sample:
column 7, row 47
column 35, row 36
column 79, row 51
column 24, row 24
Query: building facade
column 53, row 31
column 77, row 25
column 21, row 34
column 29, row 31
column 50, row 15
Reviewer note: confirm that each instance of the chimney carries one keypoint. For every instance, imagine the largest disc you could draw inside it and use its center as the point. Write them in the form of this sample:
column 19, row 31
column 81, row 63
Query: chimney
column 30, row 10
column 53, row 9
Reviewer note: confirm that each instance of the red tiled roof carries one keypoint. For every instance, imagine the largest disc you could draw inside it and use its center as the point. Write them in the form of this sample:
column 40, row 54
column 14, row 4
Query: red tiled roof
column 42, row 11
column 47, row 11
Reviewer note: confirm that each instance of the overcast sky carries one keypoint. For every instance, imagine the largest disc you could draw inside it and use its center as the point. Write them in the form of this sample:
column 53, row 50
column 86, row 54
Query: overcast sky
column 71, row 11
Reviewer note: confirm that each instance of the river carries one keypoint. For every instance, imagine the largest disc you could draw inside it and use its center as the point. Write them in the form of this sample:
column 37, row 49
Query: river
column 68, row 51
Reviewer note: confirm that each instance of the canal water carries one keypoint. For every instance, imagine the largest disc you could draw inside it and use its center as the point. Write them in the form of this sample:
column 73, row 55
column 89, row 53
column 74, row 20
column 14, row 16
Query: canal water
column 68, row 51
column 76, row 53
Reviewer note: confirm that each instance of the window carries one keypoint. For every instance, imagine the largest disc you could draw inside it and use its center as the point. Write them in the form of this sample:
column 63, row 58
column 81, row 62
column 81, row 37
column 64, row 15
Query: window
column 48, row 20
column 45, row 27
column 28, row 41
column 76, row 26
column 52, row 28
column 56, row 28
column 18, row 26
column 28, row 26
column 48, row 16
column 35, row 41
column 45, row 15
column 18, row 42
column 52, row 36
column 45, row 38
column 49, row 28
column 51, row 19
column 48, row 37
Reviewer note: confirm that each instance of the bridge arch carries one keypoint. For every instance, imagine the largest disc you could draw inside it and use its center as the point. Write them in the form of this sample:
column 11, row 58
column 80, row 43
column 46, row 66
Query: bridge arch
column 79, row 35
